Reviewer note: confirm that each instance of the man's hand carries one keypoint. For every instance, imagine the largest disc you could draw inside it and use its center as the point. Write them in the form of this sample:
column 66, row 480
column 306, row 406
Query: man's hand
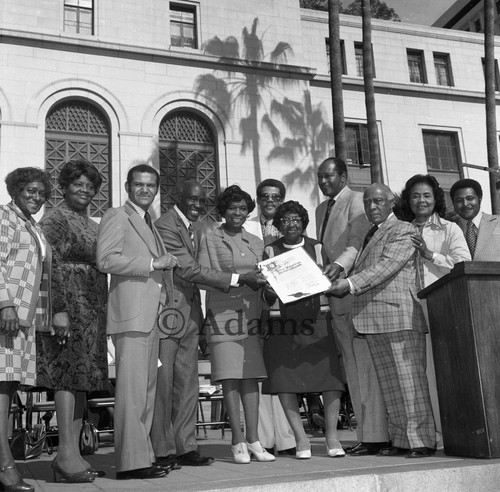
column 333, row 271
column 9, row 322
column 61, row 326
column 254, row 279
column 165, row 262
column 339, row 288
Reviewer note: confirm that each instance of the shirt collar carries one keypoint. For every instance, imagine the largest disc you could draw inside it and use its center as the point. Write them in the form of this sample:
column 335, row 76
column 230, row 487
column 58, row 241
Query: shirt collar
column 336, row 197
column 433, row 221
column 138, row 209
column 184, row 219
column 476, row 220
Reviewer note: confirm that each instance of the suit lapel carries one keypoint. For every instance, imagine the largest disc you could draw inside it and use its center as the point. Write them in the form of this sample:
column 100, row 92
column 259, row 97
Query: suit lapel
column 142, row 229
column 379, row 234
column 486, row 227
column 186, row 239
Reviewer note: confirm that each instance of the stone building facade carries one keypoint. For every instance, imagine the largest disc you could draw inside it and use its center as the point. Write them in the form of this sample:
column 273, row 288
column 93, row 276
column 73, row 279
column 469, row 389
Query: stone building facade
column 229, row 91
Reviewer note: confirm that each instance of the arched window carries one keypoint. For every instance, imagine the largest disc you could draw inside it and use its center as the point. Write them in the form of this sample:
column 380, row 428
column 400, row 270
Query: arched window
column 78, row 130
column 187, row 151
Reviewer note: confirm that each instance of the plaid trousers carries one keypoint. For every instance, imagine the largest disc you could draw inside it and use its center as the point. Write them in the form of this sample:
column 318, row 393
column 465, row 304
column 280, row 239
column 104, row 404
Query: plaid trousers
column 400, row 362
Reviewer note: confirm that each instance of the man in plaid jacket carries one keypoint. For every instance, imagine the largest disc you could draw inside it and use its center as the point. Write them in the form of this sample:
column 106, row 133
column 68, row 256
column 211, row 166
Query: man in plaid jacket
column 387, row 312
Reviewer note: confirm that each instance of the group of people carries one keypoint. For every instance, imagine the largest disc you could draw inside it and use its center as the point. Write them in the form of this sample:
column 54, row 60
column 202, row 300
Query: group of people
column 368, row 330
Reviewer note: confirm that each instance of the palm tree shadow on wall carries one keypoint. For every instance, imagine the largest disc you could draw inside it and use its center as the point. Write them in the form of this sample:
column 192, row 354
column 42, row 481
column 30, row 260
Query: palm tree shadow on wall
column 310, row 140
column 245, row 83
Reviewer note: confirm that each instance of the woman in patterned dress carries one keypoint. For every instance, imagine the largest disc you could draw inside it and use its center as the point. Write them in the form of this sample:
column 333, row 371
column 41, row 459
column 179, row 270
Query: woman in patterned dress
column 74, row 361
column 24, row 254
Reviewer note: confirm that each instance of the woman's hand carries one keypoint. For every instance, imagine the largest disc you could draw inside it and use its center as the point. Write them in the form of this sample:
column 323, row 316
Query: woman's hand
column 9, row 322
column 61, row 326
column 419, row 244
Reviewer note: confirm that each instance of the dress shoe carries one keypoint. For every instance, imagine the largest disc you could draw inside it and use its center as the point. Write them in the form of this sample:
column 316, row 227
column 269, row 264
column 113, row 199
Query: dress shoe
column 194, row 459
column 367, row 448
column 393, row 451
column 142, row 473
column 240, row 453
column 168, row 462
column 259, row 452
column 336, row 451
column 97, row 473
column 20, row 486
column 421, row 452
column 79, row 477
column 287, row 452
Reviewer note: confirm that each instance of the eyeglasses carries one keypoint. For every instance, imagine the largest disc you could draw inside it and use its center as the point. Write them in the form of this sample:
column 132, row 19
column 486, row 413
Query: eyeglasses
column 269, row 196
column 293, row 220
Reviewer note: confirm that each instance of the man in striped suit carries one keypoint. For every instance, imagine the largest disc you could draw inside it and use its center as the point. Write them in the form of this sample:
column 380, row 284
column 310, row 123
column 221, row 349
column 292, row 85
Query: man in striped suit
column 387, row 312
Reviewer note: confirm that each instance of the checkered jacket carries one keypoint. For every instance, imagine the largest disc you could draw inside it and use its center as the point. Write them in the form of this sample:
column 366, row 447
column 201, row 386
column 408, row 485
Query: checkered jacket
column 24, row 276
column 383, row 280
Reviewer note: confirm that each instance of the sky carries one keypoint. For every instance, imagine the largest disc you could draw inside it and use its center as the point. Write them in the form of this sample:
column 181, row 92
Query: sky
column 420, row 11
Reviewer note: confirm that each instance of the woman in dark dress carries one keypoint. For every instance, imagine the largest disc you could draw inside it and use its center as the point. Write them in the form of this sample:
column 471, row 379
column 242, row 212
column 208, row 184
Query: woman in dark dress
column 74, row 360
column 300, row 352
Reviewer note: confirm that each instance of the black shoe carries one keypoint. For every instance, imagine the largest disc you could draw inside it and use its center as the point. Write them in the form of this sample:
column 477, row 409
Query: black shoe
column 367, row 448
column 194, row 459
column 97, row 473
column 288, row 452
column 142, row 473
column 421, row 452
column 393, row 451
column 168, row 462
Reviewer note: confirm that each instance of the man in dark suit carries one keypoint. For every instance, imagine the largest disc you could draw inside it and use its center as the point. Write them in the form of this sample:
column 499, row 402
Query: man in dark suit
column 387, row 312
column 482, row 231
column 341, row 226
column 131, row 250
column 173, row 432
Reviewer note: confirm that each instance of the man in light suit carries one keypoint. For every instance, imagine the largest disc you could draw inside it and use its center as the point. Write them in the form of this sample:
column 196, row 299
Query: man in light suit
column 275, row 432
column 482, row 231
column 131, row 250
column 174, row 424
column 341, row 226
column 387, row 312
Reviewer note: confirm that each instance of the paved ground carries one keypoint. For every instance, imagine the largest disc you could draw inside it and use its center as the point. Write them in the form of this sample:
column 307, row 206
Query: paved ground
column 371, row 473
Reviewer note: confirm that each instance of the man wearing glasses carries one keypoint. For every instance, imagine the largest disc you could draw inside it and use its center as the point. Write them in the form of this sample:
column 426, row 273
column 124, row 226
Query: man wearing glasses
column 274, row 430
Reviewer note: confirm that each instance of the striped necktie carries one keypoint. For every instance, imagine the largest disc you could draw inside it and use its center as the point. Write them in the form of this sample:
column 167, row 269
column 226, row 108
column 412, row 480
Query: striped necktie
column 191, row 234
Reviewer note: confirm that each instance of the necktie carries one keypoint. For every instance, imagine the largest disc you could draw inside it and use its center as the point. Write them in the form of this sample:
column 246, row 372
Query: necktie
column 331, row 203
column 370, row 234
column 147, row 218
column 269, row 232
column 191, row 234
column 471, row 237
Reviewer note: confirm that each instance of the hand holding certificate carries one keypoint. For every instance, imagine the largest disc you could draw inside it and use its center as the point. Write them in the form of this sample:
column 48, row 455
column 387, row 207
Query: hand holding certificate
column 294, row 275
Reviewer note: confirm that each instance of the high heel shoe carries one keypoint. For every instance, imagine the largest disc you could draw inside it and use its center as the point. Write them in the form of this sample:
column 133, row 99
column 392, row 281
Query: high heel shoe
column 259, row 452
column 336, row 451
column 78, row 477
column 20, row 486
column 240, row 453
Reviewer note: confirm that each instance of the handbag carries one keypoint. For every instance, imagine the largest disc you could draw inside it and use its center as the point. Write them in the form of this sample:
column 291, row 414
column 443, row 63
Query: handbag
column 89, row 440
column 28, row 444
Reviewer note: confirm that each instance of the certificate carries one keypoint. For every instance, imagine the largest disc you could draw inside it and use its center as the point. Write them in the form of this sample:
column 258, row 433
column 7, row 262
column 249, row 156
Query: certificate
column 294, row 275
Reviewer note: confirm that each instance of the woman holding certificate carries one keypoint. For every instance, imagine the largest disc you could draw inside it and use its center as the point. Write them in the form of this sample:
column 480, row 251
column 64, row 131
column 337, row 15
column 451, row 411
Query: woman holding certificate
column 300, row 352
column 233, row 319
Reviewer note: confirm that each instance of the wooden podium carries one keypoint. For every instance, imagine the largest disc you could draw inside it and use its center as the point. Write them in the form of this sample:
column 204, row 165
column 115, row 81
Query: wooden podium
column 464, row 317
